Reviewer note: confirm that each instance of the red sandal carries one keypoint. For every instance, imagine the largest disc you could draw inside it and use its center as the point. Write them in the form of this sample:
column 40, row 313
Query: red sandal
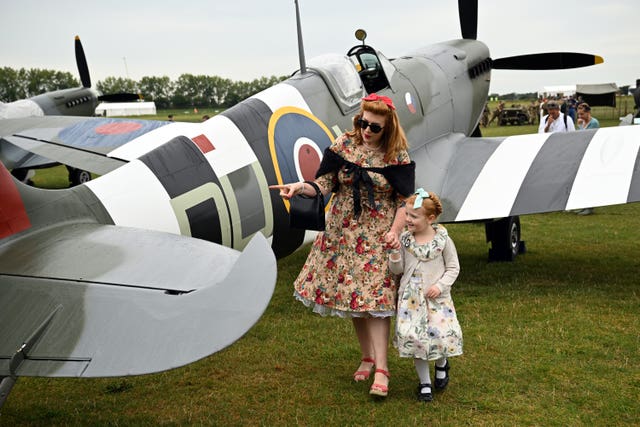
column 364, row 375
column 380, row 389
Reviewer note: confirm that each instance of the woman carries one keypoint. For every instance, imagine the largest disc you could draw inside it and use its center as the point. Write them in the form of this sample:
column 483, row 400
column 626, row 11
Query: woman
column 346, row 273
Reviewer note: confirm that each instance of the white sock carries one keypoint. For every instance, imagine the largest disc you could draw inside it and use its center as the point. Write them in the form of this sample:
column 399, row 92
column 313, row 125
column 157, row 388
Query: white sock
column 441, row 363
column 422, row 368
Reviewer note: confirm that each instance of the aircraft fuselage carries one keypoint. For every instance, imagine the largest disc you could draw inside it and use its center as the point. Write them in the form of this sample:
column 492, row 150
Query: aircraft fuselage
column 209, row 180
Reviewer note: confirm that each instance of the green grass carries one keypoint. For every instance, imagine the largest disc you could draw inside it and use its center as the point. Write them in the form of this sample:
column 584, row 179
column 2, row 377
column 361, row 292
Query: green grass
column 181, row 115
column 552, row 339
column 509, row 130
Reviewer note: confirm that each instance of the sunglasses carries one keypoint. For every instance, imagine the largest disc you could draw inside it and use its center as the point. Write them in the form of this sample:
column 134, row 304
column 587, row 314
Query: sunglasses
column 375, row 128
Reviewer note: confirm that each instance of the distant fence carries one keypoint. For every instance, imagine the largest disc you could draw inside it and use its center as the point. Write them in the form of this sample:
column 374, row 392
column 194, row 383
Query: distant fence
column 624, row 105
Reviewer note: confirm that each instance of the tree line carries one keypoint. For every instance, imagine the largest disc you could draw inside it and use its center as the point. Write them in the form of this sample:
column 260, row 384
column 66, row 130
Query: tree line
column 188, row 90
column 23, row 83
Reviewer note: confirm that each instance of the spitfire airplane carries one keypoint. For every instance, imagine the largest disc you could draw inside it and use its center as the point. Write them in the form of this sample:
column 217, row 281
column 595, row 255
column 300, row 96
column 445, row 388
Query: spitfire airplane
column 139, row 270
column 79, row 101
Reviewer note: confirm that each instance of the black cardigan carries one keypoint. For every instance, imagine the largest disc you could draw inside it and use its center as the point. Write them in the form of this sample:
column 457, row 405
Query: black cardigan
column 401, row 177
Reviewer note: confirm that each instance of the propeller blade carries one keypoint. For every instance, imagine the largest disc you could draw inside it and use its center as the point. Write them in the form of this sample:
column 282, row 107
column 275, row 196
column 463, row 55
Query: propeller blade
column 120, row 97
column 546, row 61
column 468, row 12
column 81, row 61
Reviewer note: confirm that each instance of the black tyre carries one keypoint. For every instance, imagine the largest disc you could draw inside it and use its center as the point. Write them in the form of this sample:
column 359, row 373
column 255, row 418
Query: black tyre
column 20, row 174
column 522, row 119
column 78, row 176
column 504, row 235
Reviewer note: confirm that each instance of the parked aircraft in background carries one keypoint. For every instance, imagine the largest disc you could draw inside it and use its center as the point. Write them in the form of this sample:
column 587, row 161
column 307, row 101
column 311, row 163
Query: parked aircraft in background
column 70, row 259
column 79, row 101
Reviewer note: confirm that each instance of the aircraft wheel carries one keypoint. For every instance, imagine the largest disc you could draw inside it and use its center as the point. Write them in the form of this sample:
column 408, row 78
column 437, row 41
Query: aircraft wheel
column 504, row 235
column 78, row 176
column 20, row 174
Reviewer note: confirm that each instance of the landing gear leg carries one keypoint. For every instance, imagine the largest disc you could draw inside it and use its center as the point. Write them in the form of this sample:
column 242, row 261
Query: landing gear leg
column 6, row 384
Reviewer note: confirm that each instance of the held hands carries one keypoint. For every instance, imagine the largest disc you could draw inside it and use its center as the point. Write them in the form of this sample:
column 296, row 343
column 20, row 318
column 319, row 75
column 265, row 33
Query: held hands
column 433, row 292
column 391, row 238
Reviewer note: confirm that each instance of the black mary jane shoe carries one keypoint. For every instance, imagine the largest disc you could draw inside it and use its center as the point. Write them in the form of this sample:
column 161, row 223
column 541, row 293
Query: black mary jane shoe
column 441, row 383
column 423, row 395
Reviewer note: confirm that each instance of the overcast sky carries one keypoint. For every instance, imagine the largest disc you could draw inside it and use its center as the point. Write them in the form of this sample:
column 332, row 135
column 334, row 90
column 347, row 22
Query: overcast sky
column 247, row 39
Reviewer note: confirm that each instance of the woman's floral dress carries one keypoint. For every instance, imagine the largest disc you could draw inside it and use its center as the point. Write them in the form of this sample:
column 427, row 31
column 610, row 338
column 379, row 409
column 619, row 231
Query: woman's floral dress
column 346, row 272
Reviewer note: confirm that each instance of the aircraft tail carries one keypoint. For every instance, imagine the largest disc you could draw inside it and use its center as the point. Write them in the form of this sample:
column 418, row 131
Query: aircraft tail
column 24, row 207
column 13, row 215
column 82, row 298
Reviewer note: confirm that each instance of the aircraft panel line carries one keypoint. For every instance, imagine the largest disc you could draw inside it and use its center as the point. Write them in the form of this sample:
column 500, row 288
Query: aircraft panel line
column 95, row 282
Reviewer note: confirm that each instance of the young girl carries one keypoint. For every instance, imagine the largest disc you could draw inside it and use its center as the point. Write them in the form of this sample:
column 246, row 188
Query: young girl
column 426, row 326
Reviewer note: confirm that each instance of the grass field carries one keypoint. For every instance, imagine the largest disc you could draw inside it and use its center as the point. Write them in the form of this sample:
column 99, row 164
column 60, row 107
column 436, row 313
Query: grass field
column 552, row 339
column 182, row 115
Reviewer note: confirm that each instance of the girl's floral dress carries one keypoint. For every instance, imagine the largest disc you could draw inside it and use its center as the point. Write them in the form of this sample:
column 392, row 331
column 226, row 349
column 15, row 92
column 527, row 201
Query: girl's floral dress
column 427, row 328
column 346, row 273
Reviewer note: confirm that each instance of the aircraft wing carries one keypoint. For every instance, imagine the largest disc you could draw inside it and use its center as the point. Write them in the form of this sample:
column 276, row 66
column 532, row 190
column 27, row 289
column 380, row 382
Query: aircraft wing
column 89, row 300
column 82, row 142
column 485, row 178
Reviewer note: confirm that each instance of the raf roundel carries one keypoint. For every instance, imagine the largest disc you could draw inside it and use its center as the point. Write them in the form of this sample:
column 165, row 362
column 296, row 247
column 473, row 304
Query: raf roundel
column 118, row 128
column 410, row 102
column 297, row 140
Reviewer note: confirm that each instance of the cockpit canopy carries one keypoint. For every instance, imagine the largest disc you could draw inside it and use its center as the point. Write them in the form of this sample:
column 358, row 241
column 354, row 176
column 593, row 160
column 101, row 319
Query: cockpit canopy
column 369, row 68
column 346, row 76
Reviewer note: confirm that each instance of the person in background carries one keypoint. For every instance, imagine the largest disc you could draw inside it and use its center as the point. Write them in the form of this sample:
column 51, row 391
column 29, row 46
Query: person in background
column 170, row 117
column 555, row 121
column 496, row 113
column 427, row 327
column 346, row 273
column 571, row 108
column 586, row 121
column 534, row 112
column 484, row 119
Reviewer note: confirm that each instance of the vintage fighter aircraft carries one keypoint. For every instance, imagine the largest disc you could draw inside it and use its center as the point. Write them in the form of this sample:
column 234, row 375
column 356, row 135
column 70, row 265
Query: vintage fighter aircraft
column 79, row 101
column 96, row 280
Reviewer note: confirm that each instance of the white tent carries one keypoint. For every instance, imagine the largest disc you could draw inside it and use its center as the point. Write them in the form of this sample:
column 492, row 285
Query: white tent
column 557, row 91
column 110, row 109
column 603, row 94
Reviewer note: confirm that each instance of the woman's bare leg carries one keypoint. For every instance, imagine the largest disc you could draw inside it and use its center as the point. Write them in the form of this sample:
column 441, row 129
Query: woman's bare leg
column 378, row 328
column 366, row 346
